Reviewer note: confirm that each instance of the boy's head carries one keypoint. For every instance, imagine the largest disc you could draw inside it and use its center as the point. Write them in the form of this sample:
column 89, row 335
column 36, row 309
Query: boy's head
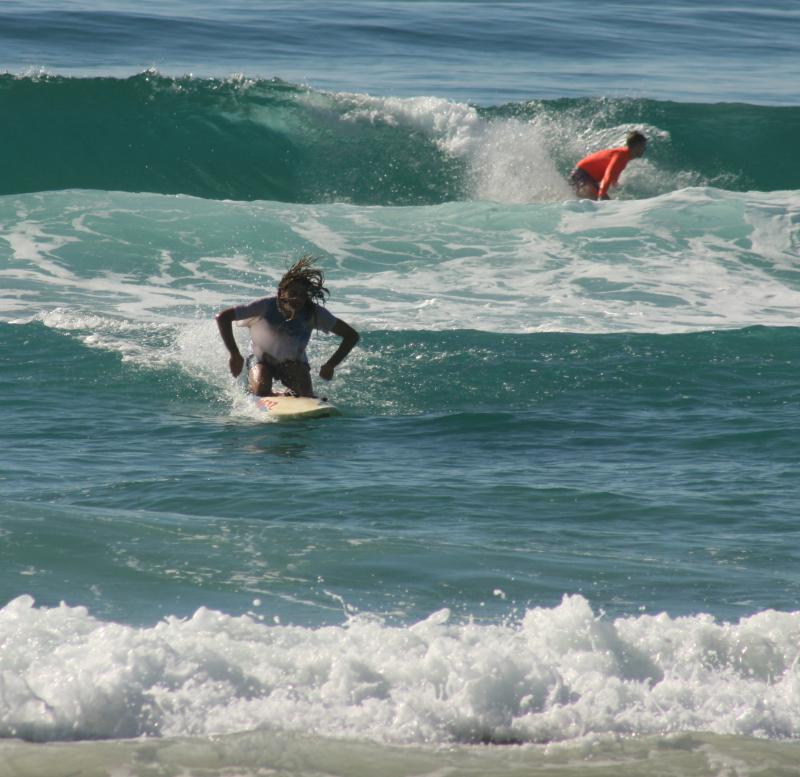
column 636, row 142
column 300, row 286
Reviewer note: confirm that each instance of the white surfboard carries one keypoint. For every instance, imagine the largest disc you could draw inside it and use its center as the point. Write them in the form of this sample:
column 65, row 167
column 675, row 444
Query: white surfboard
column 285, row 406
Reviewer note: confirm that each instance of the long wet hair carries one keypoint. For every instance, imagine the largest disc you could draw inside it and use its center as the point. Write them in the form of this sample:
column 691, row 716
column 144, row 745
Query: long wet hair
column 303, row 271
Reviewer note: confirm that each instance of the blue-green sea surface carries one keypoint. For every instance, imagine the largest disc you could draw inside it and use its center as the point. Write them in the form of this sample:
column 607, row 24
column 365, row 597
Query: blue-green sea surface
column 553, row 529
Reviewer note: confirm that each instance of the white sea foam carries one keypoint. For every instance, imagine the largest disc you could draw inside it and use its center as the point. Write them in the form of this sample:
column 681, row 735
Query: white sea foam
column 509, row 160
column 558, row 674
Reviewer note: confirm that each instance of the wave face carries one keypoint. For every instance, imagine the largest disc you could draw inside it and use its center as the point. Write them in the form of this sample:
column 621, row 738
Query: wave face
column 255, row 139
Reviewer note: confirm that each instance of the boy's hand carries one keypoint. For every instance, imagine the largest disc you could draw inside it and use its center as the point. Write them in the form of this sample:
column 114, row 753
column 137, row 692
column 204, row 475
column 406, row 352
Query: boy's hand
column 236, row 362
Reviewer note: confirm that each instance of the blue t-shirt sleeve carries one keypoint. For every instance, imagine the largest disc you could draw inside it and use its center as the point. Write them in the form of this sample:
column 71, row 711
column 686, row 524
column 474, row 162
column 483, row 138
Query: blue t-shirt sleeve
column 250, row 310
column 324, row 319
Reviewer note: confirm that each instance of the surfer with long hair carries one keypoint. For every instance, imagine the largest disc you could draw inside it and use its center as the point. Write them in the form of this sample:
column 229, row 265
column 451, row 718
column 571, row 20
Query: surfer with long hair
column 280, row 328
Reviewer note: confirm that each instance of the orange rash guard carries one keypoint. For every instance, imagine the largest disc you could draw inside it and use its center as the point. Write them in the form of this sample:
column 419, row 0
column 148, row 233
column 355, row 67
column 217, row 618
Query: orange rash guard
column 605, row 166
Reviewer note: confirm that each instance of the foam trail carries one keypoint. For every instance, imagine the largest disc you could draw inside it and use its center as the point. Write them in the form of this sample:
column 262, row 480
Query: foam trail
column 695, row 259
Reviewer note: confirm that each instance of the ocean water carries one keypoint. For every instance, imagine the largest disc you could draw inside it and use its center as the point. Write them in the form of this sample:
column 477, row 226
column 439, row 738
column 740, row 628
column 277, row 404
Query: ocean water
column 554, row 529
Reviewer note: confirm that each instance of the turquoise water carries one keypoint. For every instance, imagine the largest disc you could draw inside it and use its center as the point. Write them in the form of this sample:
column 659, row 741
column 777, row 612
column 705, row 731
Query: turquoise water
column 255, row 139
column 553, row 530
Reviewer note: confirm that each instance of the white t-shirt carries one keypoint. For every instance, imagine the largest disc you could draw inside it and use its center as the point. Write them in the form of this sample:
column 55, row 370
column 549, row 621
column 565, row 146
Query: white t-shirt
column 272, row 334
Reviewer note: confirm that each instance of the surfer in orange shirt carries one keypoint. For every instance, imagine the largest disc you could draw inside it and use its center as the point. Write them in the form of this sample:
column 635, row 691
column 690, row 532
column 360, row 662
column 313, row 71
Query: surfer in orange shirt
column 594, row 174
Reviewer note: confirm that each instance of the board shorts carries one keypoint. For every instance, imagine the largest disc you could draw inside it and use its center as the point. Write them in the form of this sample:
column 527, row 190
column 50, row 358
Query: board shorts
column 278, row 369
column 581, row 178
